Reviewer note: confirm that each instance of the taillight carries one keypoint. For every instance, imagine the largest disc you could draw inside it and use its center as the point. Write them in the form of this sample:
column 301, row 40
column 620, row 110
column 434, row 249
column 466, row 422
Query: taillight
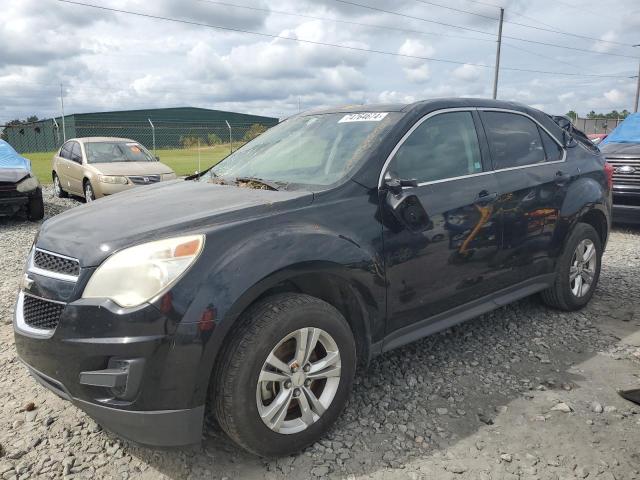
column 608, row 171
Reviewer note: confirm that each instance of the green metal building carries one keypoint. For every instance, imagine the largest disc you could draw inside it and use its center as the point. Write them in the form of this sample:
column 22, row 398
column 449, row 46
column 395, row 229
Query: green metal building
column 162, row 127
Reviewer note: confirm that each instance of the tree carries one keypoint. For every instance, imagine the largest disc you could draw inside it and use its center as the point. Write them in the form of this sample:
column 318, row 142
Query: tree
column 572, row 115
column 254, row 130
column 213, row 139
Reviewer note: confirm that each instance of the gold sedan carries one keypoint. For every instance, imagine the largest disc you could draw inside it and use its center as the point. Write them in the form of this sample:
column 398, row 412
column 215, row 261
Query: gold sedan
column 93, row 167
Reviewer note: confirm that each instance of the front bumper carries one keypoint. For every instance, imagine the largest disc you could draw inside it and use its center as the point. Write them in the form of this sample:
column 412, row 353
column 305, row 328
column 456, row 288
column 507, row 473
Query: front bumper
column 163, row 428
column 159, row 408
column 626, row 213
column 12, row 203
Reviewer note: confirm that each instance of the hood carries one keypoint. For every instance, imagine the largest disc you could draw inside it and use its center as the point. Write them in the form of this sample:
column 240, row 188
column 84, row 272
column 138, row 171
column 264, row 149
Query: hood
column 132, row 168
column 10, row 160
column 91, row 232
column 621, row 150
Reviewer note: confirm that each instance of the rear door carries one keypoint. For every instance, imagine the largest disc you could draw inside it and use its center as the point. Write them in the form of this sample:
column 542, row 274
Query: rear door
column 448, row 261
column 533, row 180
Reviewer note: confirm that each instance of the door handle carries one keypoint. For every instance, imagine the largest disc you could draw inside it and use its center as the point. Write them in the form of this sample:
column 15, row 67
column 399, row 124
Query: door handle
column 562, row 178
column 484, row 196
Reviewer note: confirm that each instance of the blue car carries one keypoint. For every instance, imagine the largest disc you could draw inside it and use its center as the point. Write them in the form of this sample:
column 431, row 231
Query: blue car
column 19, row 188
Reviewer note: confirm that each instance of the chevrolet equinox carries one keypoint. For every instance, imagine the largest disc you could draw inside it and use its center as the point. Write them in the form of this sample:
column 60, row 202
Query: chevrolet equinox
column 255, row 288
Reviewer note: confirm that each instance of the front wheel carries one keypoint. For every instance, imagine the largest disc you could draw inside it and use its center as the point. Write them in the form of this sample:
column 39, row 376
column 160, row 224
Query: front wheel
column 57, row 187
column 578, row 270
column 285, row 376
column 89, row 195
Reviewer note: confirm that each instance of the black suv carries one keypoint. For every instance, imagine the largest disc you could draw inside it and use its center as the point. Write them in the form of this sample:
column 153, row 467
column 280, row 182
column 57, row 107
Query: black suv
column 256, row 288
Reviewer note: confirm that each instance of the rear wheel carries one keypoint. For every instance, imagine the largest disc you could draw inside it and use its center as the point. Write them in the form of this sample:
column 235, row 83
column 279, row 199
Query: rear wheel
column 36, row 206
column 285, row 376
column 57, row 187
column 89, row 195
column 578, row 270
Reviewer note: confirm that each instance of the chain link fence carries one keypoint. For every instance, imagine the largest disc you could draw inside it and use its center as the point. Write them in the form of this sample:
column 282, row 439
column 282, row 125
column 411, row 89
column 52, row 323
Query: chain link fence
column 184, row 146
column 597, row 125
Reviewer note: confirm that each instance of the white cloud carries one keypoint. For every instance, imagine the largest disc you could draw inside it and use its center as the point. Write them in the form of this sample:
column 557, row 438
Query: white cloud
column 467, row 73
column 614, row 96
column 603, row 46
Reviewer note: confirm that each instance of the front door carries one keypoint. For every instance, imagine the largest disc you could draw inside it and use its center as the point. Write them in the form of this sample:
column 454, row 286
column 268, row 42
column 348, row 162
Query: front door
column 533, row 180
column 76, row 173
column 449, row 260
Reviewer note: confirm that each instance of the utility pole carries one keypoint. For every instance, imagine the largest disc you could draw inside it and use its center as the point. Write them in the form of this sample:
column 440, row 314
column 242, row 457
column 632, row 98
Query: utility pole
column 637, row 86
column 495, row 77
column 64, row 130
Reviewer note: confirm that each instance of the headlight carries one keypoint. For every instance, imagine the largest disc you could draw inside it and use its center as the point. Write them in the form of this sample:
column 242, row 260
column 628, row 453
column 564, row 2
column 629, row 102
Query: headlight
column 27, row 185
column 112, row 179
column 138, row 274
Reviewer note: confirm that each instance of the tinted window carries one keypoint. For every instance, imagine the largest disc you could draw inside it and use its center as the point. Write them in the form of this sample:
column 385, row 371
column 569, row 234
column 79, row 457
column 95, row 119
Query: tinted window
column 444, row 146
column 551, row 147
column 514, row 140
column 76, row 154
column 65, row 151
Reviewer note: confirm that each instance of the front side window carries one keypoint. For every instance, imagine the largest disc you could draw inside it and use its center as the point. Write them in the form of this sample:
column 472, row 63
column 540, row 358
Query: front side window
column 514, row 140
column 441, row 147
column 117, row 151
column 314, row 150
column 76, row 152
column 65, row 151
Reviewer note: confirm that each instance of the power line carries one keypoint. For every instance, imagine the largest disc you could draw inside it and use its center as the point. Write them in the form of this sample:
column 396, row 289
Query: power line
column 510, row 45
column 347, row 22
column 413, row 17
column 327, row 44
column 467, row 12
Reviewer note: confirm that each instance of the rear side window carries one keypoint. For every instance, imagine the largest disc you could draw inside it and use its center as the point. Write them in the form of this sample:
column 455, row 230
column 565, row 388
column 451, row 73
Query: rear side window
column 443, row 146
column 552, row 150
column 514, row 140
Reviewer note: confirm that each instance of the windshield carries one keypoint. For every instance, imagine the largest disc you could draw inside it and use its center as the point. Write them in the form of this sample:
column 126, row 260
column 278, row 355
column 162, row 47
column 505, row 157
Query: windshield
column 309, row 150
column 110, row 152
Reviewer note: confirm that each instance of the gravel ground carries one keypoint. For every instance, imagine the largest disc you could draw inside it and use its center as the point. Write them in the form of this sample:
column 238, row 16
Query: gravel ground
column 520, row 393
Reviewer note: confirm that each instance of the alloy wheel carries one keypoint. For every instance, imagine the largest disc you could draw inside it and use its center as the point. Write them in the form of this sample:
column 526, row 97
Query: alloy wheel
column 56, row 185
column 583, row 268
column 88, row 193
column 298, row 380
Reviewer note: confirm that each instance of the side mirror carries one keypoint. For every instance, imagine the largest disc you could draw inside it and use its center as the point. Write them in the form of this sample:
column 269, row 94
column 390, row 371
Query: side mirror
column 568, row 140
column 405, row 207
column 395, row 184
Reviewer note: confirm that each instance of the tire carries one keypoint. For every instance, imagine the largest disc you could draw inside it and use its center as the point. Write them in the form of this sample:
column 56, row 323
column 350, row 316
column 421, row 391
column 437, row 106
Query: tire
column 57, row 187
column 35, row 208
column 562, row 294
column 237, row 395
column 89, row 194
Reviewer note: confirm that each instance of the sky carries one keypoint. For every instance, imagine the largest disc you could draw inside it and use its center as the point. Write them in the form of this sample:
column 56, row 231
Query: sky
column 107, row 61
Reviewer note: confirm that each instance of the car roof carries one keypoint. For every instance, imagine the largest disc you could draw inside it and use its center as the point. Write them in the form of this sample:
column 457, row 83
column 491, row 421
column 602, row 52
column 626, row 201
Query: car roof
column 102, row 139
column 425, row 106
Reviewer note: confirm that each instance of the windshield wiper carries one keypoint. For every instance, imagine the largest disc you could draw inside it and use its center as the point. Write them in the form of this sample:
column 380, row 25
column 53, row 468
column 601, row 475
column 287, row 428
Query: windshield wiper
column 267, row 183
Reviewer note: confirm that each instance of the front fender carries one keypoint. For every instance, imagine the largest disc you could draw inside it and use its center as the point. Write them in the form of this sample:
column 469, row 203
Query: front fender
column 264, row 259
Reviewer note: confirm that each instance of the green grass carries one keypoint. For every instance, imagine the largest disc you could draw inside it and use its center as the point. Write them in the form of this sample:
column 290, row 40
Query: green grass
column 182, row 160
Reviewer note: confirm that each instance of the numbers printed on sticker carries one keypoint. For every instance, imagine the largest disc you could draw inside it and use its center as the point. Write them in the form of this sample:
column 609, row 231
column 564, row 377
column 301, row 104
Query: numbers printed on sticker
column 363, row 117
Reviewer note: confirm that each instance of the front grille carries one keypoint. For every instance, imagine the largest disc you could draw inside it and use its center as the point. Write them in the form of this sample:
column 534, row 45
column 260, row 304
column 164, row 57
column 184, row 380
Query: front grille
column 8, row 187
column 620, row 177
column 56, row 263
column 42, row 314
column 144, row 179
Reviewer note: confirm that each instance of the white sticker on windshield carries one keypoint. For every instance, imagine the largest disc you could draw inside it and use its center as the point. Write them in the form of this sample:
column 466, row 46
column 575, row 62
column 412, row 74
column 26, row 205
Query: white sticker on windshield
column 363, row 117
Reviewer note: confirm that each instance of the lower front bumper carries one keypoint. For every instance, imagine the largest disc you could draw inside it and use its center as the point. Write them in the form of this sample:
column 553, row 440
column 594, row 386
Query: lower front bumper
column 11, row 205
column 626, row 214
column 161, row 428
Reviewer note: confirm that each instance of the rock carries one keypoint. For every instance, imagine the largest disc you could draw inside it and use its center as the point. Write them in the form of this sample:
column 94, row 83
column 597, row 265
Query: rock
column 596, row 407
column 610, row 409
column 562, row 407
column 320, row 471
column 506, row 457
column 16, row 454
column 29, row 407
column 456, row 468
column 442, row 411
